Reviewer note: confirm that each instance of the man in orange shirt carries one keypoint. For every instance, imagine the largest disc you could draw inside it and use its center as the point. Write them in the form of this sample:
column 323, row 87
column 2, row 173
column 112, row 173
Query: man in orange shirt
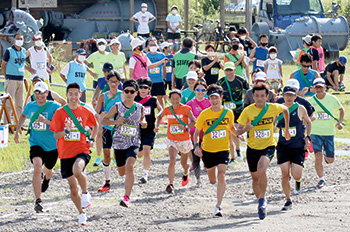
column 68, row 125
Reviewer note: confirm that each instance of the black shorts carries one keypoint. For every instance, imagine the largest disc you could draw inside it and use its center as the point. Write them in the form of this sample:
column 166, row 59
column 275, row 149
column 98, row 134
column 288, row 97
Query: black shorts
column 67, row 164
column 107, row 138
column 236, row 114
column 147, row 138
column 167, row 84
column 122, row 155
column 178, row 83
column 212, row 159
column 49, row 158
column 293, row 155
column 158, row 89
column 144, row 35
column 253, row 156
column 171, row 35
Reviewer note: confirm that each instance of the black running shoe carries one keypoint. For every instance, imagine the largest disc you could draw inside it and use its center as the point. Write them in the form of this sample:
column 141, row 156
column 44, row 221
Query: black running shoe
column 287, row 205
column 170, row 188
column 45, row 184
column 298, row 186
column 38, row 206
column 320, row 184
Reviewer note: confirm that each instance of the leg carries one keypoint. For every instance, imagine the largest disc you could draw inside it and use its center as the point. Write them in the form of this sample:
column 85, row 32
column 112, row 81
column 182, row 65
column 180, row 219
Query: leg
column 74, row 193
column 172, row 162
column 129, row 175
column 146, row 157
column 335, row 75
column 10, row 88
column 232, row 147
column 99, row 139
column 297, row 171
column 160, row 100
column 256, row 186
column 285, row 178
column 19, row 97
column 221, row 182
column 78, row 168
column 106, row 163
column 37, row 163
column 212, row 175
column 48, row 173
column 185, row 165
column 262, row 166
column 318, row 164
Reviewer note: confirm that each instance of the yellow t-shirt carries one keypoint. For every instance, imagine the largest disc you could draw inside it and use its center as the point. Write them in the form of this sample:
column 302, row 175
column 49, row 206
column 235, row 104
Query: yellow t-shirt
column 260, row 136
column 98, row 60
column 218, row 139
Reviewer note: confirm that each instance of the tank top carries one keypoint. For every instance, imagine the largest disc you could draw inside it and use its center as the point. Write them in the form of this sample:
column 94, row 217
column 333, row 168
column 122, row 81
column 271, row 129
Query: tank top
column 149, row 111
column 38, row 60
column 77, row 73
column 310, row 76
column 15, row 64
column 261, row 54
column 111, row 103
column 141, row 66
column 296, row 130
column 127, row 134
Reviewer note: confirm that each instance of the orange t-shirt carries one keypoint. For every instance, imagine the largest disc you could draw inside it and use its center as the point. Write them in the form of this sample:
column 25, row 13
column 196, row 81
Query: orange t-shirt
column 226, row 59
column 73, row 143
column 174, row 133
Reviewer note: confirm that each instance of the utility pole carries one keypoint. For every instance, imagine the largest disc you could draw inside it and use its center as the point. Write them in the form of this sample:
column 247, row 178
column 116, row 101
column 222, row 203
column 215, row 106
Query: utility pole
column 248, row 15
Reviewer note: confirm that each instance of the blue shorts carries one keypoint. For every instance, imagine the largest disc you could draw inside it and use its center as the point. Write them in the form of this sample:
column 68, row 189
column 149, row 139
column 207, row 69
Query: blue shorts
column 326, row 141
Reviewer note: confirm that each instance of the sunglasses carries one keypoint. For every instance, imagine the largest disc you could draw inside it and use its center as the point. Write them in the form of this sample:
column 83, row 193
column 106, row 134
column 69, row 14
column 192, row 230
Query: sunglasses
column 200, row 90
column 144, row 87
column 129, row 91
column 306, row 66
column 37, row 92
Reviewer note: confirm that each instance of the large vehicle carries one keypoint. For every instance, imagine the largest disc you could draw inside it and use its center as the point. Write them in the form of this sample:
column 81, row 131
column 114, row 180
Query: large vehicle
column 235, row 12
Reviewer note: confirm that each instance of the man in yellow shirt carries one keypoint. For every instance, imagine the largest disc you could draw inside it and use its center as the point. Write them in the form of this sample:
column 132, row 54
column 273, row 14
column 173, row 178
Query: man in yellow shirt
column 258, row 121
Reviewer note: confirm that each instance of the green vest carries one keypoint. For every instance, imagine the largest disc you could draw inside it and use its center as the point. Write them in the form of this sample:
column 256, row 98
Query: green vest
column 181, row 63
column 239, row 68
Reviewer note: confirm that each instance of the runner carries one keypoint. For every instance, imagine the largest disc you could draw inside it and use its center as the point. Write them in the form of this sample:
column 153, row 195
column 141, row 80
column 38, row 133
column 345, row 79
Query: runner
column 188, row 94
column 216, row 122
column 148, row 134
column 178, row 137
column 51, row 95
column 233, row 86
column 68, row 125
column 128, row 115
column 323, row 128
column 42, row 151
column 257, row 120
column 290, row 153
column 273, row 70
column 105, row 102
column 117, row 58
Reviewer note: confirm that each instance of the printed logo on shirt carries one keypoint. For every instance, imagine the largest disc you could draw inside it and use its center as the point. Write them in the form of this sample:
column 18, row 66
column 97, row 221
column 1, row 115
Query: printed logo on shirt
column 80, row 74
column 265, row 121
column 224, row 122
column 182, row 62
column 19, row 61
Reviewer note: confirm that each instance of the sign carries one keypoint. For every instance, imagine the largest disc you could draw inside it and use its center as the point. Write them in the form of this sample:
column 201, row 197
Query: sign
column 37, row 3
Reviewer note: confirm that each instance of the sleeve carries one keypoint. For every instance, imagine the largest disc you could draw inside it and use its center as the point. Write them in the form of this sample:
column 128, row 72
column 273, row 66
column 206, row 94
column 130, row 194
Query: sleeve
column 342, row 70
column 132, row 62
column 195, row 57
column 56, row 124
column 65, row 70
column 91, row 120
column 6, row 56
column 166, row 111
column 179, row 17
column 148, row 62
column 279, row 108
column 150, row 15
column 123, row 57
column 136, row 15
column 200, row 121
column 26, row 110
column 337, row 104
column 231, row 118
column 167, row 18
column 173, row 63
column 243, row 118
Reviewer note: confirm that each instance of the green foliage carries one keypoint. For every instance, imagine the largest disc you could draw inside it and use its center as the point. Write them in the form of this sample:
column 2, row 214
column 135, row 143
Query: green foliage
column 209, row 7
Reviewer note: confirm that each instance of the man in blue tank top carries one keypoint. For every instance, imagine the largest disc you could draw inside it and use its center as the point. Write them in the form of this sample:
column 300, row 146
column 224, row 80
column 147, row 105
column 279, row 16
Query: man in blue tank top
column 260, row 54
column 290, row 154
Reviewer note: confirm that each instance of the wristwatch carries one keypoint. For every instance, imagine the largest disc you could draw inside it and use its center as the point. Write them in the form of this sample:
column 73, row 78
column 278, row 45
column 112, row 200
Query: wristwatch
column 196, row 145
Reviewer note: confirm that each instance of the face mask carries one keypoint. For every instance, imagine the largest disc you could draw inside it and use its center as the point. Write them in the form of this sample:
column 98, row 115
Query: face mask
column 153, row 49
column 174, row 11
column 210, row 53
column 263, row 44
column 143, row 10
column 38, row 43
column 235, row 47
column 273, row 55
column 102, row 48
column 243, row 37
column 19, row 43
column 81, row 58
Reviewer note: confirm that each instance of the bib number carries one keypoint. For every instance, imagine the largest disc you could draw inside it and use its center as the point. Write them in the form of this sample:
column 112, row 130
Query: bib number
column 155, row 70
column 292, row 132
column 273, row 66
column 214, row 71
column 260, row 63
column 73, row 135
column 128, row 130
column 169, row 69
column 174, row 129
column 39, row 126
column 218, row 134
column 230, row 105
column 262, row 134
column 40, row 65
column 147, row 110
column 323, row 116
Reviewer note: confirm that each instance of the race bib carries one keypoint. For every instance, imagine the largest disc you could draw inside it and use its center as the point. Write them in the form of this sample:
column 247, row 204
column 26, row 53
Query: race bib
column 218, row 134
column 155, row 70
column 323, row 116
column 120, row 70
column 40, row 65
column 73, row 135
column 273, row 66
column 260, row 63
column 230, row 105
column 214, row 71
column 38, row 126
column 262, row 134
column 292, row 131
column 169, row 69
column 174, row 129
column 128, row 130
column 147, row 110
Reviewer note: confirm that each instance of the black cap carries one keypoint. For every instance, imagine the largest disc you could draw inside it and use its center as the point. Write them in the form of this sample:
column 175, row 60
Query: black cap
column 107, row 67
column 214, row 91
column 37, row 78
column 288, row 89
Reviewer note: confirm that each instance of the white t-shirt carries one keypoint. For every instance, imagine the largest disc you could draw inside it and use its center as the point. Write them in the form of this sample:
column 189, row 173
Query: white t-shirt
column 132, row 62
column 273, row 68
column 143, row 19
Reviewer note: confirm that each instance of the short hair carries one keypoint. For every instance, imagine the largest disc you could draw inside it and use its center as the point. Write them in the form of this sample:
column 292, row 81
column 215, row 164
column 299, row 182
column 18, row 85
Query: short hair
column 131, row 83
column 263, row 36
column 73, row 85
column 195, row 62
column 215, row 87
column 18, row 33
column 200, row 82
column 272, row 50
column 145, row 80
column 261, row 86
column 114, row 73
column 149, row 40
column 242, row 30
column 306, row 57
column 316, row 37
column 209, row 46
column 187, row 42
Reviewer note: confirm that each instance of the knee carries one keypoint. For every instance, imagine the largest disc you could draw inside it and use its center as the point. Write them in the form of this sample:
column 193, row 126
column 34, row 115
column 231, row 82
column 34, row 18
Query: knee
column 77, row 172
column 37, row 170
column 285, row 176
column 329, row 160
column 212, row 181
column 74, row 190
column 129, row 167
column 172, row 162
column 255, row 179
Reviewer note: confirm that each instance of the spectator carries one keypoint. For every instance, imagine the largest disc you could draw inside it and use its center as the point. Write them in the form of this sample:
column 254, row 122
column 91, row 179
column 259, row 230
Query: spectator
column 97, row 59
column 174, row 23
column 237, row 57
column 260, row 54
column 273, row 70
column 243, row 35
column 117, row 58
column 334, row 74
column 166, row 48
column 211, row 65
column 143, row 18
column 316, row 41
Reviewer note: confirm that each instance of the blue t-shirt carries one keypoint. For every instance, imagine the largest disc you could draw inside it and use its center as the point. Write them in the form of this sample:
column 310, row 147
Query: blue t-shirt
column 156, row 74
column 40, row 135
column 174, row 21
column 169, row 67
column 101, row 82
column 111, row 103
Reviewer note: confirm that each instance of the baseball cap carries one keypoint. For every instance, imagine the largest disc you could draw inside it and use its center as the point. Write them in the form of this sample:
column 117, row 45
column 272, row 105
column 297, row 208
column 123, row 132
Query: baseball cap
column 41, row 86
column 229, row 65
column 307, row 39
column 80, row 51
column 289, row 89
column 213, row 92
column 235, row 39
column 177, row 91
column 260, row 76
column 37, row 36
column 192, row 75
column 99, row 41
column 343, row 60
column 319, row 81
column 293, row 83
column 143, row 5
column 107, row 66
column 272, row 48
column 165, row 44
column 114, row 41
column 37, row 78
column 174, row 6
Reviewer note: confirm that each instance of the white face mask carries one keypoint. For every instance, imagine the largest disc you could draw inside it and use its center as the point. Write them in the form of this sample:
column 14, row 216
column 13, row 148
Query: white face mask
column 273, row 55
column 211, row 53
column 81, row 58
column 102, row 48
column 174, row 11
column 243, row 37
column 153, row 49
column 38, row 43
column 19, row 43
column 143, row 9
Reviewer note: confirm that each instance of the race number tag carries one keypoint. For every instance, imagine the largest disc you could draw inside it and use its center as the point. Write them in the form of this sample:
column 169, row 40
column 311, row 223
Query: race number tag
column 40, row 65
column 128, row 130
column 218, row 134
column 292, row 131
column 73, row 135
column 174, row 129
column 273, row 66
column 260, row 63
column 323, row 116
column 262, row 134
column 39, row 126
column 147, row 110
column 120, row 70
column 230, row 105
column 214, row 71
column 155, row 70
column 169, row 69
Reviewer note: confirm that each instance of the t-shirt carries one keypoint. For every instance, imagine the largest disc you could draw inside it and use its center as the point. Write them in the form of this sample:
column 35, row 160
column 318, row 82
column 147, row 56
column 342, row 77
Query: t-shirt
column 40, row 135
column 197, row 107
column 149, row 111
column 314, row 53
column 218, row 139
column 187, row 95
column 169, row 67
column 174, row 21
column 248, row 98
column 143, row 19
column 260, row 136
column 325, row 124
column 181, row 61
column 273, row 68
column 98, row 60
column 321, row 64
column 234, row 57
column 302, row 101
column 74, row 142
column 331, row 66
column 174, row 133
column 212, row 74
column 75, row 72
column 156, row 74
column 117, row 62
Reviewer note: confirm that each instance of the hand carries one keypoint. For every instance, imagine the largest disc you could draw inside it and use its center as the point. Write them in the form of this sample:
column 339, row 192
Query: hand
column 119, row 121
column 304, row 91
column 91, row 143
column 182, row 127
column 336, row 88
column 156, row 130
column 307, row 144
column 16, row 137
column 94, row 102
column 42, row 118
column 339, row 125
column 102, row 115
column 241, row 137
column 247, row 36
column 216, row 58
column 31, row 70
column 198, row 152
column 287, row 134
column 252, row 60
column 143, row 124
column 69, row 125
column 94, row 75
column 248, row 127
column 165, row 60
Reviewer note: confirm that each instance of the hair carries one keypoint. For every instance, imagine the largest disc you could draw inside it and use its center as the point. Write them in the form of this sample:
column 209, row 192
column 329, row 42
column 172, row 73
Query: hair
column 200, row 82
column 17, row 33
column 263, row 36
column 261, row 86
column 114, row 73
column 187, row 42
column 272, row 50
column 316, row 37
column 242, row 30
column 147, row 41
column 145, row 80
column 209, row 46
column 131, row 83
column 195, row 62
column 215, row 87
column 73, row 85
column 306, row 57
column 175, row 91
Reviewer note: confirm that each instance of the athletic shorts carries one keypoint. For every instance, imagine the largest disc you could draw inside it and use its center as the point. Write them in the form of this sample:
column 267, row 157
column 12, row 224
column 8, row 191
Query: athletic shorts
column 236, row 114
column 181, row 146
column 171, row 35
column 143, row 35
column 122, row 155
column 158, row 89
column 212, row 159
column 178, row 83
column 107, row 138
column 147, row 139
column 253, row 156
column 168, row 84
column 325, row 142
column 49, row 158
column 67, row 164
column 288, row 154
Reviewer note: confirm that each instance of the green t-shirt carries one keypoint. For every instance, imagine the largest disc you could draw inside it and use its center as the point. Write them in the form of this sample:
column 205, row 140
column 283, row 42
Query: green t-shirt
column 324, row 124
column 234, row 59
column 117, row 62
column 181, row 61
column 98, row 60
column 186, row 96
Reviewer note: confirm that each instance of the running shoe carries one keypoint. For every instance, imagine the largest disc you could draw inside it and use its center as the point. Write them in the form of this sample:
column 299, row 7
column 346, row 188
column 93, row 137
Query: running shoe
column 239, row 155
column 170, row 188
column 38, row 205
column 218, row 211
column 98, row 162
column 45, row 184
column 262, row 208
column 85, row 200
column 320, row 184
column 306, row 154
column 125, row 202
column 287, row 205
column 144, row 178
column 105, row 188
column 231, row 162
column 298, row 186
column 82, row 219
column 185, row 179
column 191, row 169
column 198, row 184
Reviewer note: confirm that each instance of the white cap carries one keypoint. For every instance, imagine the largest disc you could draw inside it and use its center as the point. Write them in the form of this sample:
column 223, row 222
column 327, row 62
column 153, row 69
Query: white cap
column 101, row 40
column 143, row 5
column 293, row 83
column 174, row 6
column 307, row 39
column 41, row 86
column 319, row 81
column 165, row 44
column 135, row 42
column 192, row 75
column 260, row 76
column 114, row 41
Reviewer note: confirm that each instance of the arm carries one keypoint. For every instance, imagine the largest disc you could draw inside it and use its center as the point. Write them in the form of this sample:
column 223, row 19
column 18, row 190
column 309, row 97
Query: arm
column 330, row 79
column 100, row 101
column 94, row 75
column 125, row 73
column 164, row 72
column 49, row 57
column 106, row 119
column 315, row 65
column 252, row 41
column 143, row 121
column 133, row 19
column 242, row 129
column 208, row 66
column 339, row 124
column 96, row 92
column 197, row 149
column 154, row 18
column 63, row 78
column 307, row 121
column 58, row 98
column 19, row 125
column 252, row 55
column 173, row 79
column 160, row 112
column 286, row 120
column 3, row 67
column 131, row 74
column 156, row 64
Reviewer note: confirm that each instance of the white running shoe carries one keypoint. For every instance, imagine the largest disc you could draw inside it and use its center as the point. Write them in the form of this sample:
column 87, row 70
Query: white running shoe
column 82, row 219
column 85, row 200
column 144, row 178
column 218, row 211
